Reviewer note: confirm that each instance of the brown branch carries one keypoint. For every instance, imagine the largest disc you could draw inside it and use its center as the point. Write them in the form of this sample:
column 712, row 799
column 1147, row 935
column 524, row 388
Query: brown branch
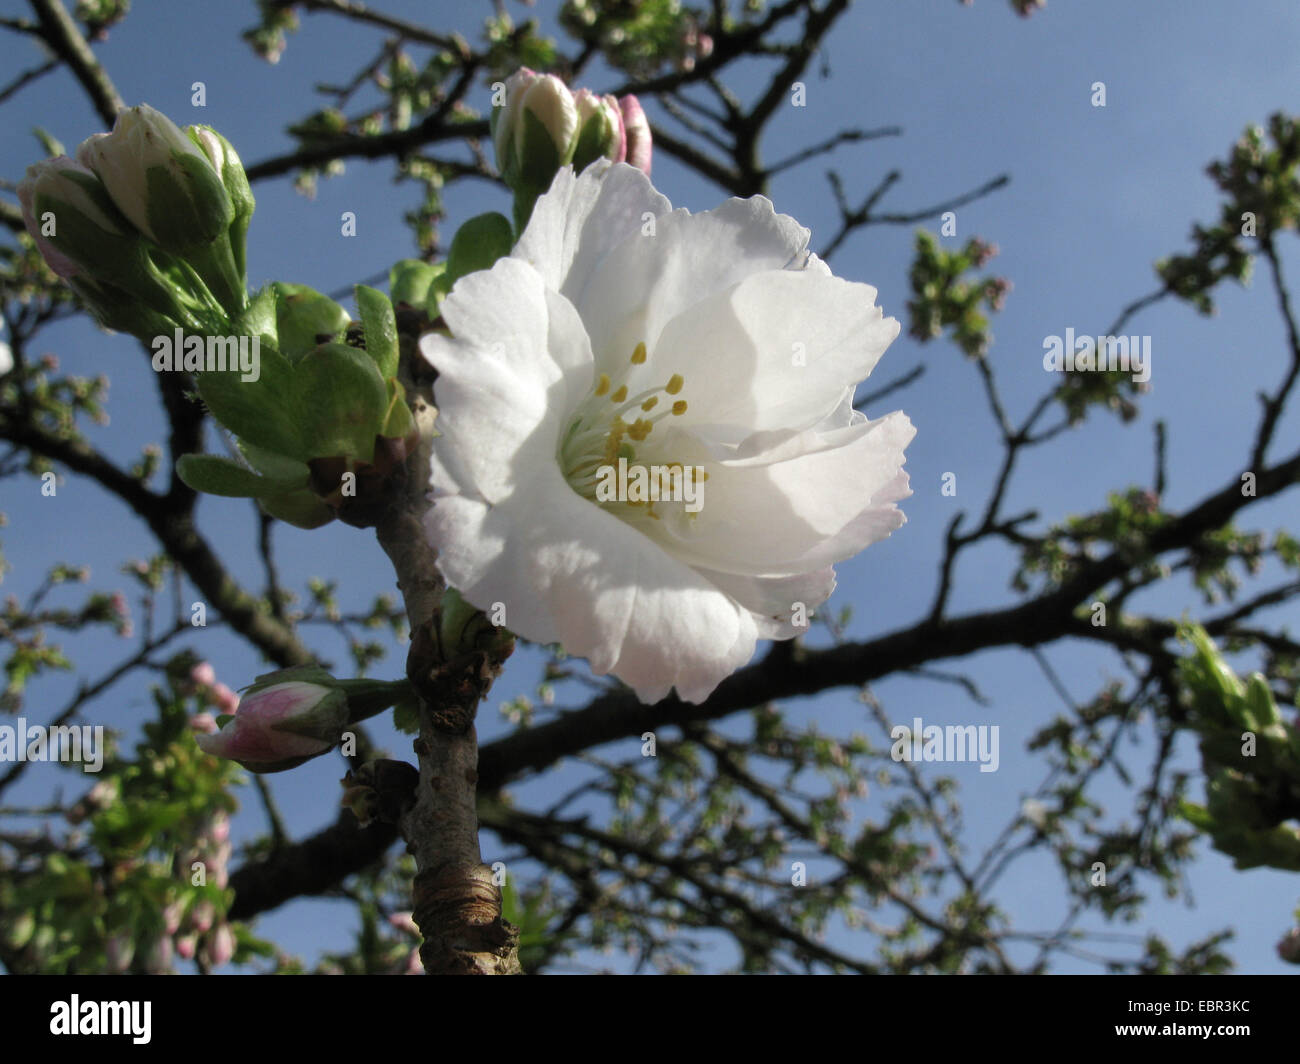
column 59, row 31
column 455, row 901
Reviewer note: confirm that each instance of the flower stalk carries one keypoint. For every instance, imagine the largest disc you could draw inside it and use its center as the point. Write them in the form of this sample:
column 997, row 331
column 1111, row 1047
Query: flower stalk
column 455, row 902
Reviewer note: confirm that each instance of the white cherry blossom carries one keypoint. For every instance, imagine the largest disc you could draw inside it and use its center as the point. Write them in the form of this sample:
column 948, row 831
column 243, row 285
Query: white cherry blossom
column 620, row 328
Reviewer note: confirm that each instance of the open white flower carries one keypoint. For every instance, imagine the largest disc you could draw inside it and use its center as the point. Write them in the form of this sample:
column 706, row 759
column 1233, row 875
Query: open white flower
column 620, row 328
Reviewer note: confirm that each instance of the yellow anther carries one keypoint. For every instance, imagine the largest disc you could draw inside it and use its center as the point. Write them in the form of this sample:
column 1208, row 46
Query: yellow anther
column 602, row 385
column 640, row 429
column 675, row 383
column 619, row 395
column 679, row 408
column 638, row 356
column 650, row 403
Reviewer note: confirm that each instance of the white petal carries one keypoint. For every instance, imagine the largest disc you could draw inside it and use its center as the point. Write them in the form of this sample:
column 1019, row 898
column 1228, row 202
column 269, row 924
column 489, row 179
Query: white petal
column 646, row 281
column 576, row 223
column 569, row 572
column 772, row 599
column 503, row 382
column 779, row 350
column 789, row 503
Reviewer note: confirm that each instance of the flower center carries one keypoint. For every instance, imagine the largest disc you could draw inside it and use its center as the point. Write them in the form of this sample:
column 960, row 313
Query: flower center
column 601, row 434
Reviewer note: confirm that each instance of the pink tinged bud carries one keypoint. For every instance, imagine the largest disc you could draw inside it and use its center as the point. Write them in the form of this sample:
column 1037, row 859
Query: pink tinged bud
column 204, row 724
column 61, row 210
column 221, row 946
column 704, row 46
column 172, row 916
column 405, row 922
column 219, row 828
column 280, row 726
column 159, row 179
column 224, row 698
column 203, row 916
column 600, row 129
column 536, row 131
column 637, row 128
column 185, row 946
column 159, row 960
column 413, row 963
column 203, row 674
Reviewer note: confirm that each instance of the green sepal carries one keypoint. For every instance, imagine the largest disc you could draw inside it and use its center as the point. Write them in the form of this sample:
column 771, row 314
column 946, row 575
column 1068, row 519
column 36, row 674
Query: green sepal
column 302, row 315
column 302, row 509
column 216, row 475
column 595, row 141
column 293, row 674
column 277, row 467
column 398, row 422
column 1260, row 700
column 265, row 412
column 259, row 318
column 476, row 246
column 186, row 211
column 344, row 402
column 406, row 717
column 539, row 158
column 379, row 325
column 409, row 281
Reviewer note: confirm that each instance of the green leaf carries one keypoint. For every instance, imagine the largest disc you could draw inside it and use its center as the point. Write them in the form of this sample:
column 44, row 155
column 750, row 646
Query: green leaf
column 345, row 402
column 409, row 280
column 215, row 475
column 259, row 319
column 380, row 327
column 476, row 246
column 265, row 412
column 277, row 467
column 302, row 509
column 302, row 315
column 406, row 717
column 398, row 421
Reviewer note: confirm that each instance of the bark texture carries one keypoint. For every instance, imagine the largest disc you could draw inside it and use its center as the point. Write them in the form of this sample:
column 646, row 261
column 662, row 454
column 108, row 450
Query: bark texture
column 456, row 904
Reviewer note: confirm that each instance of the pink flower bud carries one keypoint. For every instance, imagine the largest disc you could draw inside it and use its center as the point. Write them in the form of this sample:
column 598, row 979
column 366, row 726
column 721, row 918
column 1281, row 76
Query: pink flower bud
column 280, row 726
column 405, row 922
column 172, row 917
column 224, row 698
column 204, row 724
column 637, row 131
column 159, row 961
column 203, row 674
column 221, row 946
column 600, row 129
column 202, row 916
column 185, row 946
column 530, row 150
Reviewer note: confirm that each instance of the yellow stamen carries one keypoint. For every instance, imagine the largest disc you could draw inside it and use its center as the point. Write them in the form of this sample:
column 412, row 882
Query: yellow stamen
column 675, row 383
column 638, row 356
column 640, row 429
column 602, row 386
column 619, row 395
column 650, row 403
column 679, row 408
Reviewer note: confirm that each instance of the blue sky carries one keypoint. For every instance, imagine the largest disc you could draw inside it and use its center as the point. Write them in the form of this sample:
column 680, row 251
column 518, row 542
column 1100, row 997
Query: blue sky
column 1096, row 195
